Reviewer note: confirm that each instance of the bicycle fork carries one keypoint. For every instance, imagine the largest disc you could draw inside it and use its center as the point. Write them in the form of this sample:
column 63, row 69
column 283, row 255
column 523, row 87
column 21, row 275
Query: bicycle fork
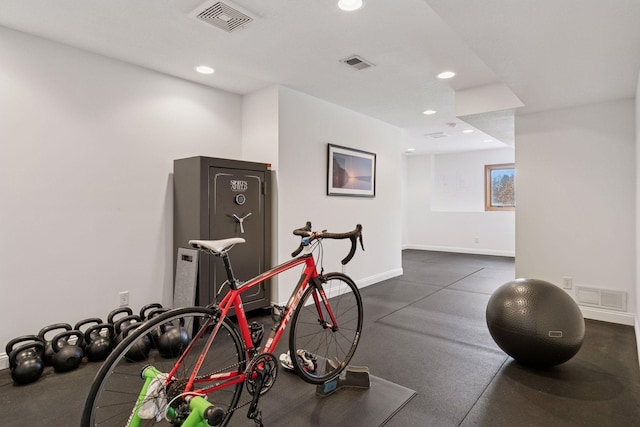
column 321, row 302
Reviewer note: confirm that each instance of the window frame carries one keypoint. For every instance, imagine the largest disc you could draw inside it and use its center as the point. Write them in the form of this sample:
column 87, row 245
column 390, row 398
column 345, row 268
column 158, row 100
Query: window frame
column 488, row 169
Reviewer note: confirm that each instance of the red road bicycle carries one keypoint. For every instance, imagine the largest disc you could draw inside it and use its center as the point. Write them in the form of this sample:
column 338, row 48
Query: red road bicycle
column 189, row 366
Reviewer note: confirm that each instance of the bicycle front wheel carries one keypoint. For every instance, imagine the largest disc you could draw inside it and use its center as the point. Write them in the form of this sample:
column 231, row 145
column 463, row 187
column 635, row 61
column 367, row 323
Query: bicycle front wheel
column 118, row 395
column 324, row 336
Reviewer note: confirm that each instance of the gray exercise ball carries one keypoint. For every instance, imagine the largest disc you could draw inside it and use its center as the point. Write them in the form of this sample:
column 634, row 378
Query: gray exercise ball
column 535, row 322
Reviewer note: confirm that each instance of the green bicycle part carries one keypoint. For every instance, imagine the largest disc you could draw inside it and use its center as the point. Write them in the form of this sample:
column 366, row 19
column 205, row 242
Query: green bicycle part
column 196, row 418
column 197, row 404
column 148, row 374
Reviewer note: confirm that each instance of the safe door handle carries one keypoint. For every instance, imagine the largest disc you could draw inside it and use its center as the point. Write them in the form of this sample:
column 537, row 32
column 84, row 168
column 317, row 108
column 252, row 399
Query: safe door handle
column 240, row 220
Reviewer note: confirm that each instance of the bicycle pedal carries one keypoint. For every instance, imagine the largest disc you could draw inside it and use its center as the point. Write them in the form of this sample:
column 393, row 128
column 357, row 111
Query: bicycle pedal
column 257, row 419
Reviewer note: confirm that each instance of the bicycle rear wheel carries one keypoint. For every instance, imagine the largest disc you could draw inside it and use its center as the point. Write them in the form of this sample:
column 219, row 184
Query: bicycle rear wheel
column 314, row 336
column 113, row 399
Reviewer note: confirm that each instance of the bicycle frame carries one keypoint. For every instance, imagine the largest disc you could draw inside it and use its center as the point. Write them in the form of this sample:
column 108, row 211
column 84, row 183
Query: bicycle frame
column 233, row 300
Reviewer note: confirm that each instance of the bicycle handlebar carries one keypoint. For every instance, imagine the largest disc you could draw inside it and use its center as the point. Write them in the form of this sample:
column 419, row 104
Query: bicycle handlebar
column 308, row 236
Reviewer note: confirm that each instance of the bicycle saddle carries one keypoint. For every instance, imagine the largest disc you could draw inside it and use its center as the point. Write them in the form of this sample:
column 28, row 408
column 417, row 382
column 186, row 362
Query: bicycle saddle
column 216, row 246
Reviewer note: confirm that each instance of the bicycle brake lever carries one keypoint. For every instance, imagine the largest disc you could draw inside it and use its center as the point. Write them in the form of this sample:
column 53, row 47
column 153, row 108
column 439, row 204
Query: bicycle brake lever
column 352, row 251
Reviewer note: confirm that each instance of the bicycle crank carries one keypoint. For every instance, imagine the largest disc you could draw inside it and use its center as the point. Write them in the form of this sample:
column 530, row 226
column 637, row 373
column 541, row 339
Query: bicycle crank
column 261, row 376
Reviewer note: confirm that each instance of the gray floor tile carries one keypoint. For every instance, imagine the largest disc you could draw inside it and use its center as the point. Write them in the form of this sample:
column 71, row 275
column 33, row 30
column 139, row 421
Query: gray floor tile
column 448, row 376
column 384, row 298
column 451, row 315
column 477, row 283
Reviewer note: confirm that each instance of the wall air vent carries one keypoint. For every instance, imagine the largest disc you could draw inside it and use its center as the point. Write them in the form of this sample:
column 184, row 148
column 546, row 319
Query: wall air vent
column 436, row 135
column 224, row 15
column 357, row 62
column 603, row 298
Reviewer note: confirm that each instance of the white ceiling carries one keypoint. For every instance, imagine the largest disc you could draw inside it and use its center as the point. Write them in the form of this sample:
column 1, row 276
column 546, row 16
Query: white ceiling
column 546, row 53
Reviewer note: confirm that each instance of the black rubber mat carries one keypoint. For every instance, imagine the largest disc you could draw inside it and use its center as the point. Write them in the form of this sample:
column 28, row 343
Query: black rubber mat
column 293, row 402
column 430, row 338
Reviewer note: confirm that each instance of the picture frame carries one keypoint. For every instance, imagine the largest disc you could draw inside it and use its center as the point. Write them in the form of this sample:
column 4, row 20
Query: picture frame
column 350, row 172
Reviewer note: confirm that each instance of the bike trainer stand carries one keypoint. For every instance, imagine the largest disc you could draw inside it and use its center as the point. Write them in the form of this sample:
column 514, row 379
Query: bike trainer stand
column 353, row 376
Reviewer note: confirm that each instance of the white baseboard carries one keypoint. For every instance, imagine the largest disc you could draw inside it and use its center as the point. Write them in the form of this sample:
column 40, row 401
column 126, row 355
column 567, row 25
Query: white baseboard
column 475, row 251
column 362, row 283
column 637, row 329
column 621, row 318
column 371, row 280
column 4, row 361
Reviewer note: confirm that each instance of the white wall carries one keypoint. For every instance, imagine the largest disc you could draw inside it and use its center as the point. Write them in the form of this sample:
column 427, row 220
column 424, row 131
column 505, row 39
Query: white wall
column 458, row 179
column 260, row 126
column 260, row 143
column 307, row 125
column 445, row 204
column 86, row 156
column 637, row 282
column 576, row 206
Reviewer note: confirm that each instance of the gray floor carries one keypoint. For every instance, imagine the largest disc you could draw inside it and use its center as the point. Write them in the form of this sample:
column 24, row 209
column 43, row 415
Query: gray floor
column 426, row 331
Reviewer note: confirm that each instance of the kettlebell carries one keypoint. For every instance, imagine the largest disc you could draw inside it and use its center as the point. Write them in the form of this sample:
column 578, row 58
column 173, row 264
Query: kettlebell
column 141, row 347
column 173, row 339
column 81, row 326
column 153, row 335
column 98, row 341
column 48, row 350
column 118, row 312
column 25, row 361
column 66, row 356
column 121, row 324
column 153, row 306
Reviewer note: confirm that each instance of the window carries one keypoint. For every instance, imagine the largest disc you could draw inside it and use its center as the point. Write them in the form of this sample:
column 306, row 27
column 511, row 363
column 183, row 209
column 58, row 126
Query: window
column 500, row 187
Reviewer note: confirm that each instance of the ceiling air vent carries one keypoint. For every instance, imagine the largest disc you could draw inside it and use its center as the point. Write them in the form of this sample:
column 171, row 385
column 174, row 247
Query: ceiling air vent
column 357, row 62
column 436, row 135
column 223, row 15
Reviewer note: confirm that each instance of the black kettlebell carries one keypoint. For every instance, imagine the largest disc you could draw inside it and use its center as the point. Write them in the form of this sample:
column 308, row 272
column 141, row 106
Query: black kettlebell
column 98, row 341
column 121, row 324
column 153, row 335
column 143, row 311
column 141, row 347
column 173, row 339
column 67, row 356
column 48, row 350
column 81, row 326
column 25, row 361
column 118, row 312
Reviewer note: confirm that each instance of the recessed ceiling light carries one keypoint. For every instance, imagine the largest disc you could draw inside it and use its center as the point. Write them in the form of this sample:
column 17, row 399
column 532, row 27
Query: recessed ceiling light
column 205, row 69
column 429, row 112
column 467, row 131
column 446, row 75
column 350, row 5
column 410, row 150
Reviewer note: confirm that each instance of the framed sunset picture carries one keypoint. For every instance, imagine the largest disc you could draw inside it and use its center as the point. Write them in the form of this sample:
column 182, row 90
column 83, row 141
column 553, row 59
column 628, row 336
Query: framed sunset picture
column 351, row 172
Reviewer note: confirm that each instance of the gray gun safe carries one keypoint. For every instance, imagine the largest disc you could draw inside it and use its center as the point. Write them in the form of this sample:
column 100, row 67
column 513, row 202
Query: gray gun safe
column 217, row 199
